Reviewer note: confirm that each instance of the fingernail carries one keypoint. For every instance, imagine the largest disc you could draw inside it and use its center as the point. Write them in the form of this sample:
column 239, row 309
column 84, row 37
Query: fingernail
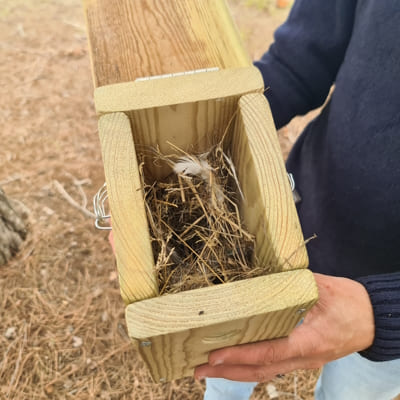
column 216, row 362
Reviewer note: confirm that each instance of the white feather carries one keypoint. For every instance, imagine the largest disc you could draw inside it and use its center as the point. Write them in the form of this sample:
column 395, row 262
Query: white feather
column 193, row 166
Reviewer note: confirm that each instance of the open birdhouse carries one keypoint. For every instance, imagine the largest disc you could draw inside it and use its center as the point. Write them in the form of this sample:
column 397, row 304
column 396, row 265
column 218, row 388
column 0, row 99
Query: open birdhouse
column 175, row 72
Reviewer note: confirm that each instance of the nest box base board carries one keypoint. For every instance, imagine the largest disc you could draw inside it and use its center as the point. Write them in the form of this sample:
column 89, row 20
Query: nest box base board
column 176, row 332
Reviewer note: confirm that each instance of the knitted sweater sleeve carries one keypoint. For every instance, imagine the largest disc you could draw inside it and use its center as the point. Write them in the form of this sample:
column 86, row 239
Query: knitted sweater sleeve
column 301, row 65
column 384, row 292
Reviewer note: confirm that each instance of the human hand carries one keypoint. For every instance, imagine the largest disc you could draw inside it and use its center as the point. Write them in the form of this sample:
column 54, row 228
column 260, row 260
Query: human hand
column 111, row 241
column 341, row 322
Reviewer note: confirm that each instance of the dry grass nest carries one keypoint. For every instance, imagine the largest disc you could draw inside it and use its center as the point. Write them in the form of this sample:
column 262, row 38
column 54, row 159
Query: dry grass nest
column 197, row 233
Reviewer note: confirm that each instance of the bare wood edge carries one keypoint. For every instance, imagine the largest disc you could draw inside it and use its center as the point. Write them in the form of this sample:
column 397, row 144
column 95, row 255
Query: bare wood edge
column 225, row 16
column 175, row 333
column 86, row 4
column 268, row 209
column 129, row 222
column 202, row 86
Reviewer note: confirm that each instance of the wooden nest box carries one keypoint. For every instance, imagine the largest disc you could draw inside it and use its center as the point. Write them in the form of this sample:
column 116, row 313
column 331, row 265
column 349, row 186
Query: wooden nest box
column 176, row 71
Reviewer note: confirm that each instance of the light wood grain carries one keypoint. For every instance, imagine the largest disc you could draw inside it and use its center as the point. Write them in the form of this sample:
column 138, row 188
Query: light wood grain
column 182, row 89
column 131, row 39
column 268, row 209
column 192, row 112
column 184, row 327
column 129, row 223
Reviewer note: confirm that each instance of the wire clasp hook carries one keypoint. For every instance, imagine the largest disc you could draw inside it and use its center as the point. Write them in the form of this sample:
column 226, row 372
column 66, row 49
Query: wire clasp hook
column 102, row 217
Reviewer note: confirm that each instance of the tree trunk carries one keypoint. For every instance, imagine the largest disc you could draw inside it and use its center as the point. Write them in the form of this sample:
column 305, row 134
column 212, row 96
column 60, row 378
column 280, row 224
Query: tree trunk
column 12, row 228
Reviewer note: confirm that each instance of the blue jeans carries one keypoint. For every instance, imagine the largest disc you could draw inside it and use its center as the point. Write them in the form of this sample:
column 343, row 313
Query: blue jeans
column 349, row 378
column 222, row 389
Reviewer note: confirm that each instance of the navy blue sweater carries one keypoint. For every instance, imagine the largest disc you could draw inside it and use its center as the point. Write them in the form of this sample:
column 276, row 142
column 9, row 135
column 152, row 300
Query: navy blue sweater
column 346, row 163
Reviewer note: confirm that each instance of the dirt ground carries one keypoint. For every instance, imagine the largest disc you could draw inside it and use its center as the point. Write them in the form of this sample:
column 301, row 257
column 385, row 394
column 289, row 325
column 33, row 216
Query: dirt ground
column 62, row 328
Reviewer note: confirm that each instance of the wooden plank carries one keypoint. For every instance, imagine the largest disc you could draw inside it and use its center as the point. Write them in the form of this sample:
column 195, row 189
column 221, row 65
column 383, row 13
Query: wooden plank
column 129, row 222
column 268, row 209
column 192, row 112
column 181, row 89
column 176, row 332
column 131, row 39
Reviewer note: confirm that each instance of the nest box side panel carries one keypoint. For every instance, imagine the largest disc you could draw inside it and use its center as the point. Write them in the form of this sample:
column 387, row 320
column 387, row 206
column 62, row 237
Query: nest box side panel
column 268, row 209
column 132, row 39
column 176, row 332
column 129, row 222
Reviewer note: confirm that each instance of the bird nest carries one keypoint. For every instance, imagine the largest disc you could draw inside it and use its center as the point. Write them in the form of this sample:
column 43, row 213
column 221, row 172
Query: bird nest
column 197, row 234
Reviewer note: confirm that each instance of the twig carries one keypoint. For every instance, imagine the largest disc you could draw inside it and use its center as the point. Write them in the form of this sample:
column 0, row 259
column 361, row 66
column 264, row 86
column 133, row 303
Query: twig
column 192, row 250
column 234, row 175
column 12, row 178
column 314, row 236
column 17, row 364
column 71, row 201
column 79, row 183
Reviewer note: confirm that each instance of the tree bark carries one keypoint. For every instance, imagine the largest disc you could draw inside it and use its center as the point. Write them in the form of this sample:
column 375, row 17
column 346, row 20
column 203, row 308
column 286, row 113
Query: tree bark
column 12, row 228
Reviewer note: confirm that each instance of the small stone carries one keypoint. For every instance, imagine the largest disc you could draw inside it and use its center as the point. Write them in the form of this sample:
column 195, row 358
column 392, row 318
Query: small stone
column 92, row 366
column 68, row 384
column 104, row 316
column 272, row 392
column 49, row 390
column 76, row 52
column 113, row 276
column 76, row 341
column 21, row 30
column 11, row 333
column 48, row 211
column 69, row 329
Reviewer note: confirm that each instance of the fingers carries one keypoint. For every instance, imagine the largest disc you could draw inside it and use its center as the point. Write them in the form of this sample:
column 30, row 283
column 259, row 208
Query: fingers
column 263, row 353
column 251, row 354
column 234, row 373
column 111, row 241
column 247, row 373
